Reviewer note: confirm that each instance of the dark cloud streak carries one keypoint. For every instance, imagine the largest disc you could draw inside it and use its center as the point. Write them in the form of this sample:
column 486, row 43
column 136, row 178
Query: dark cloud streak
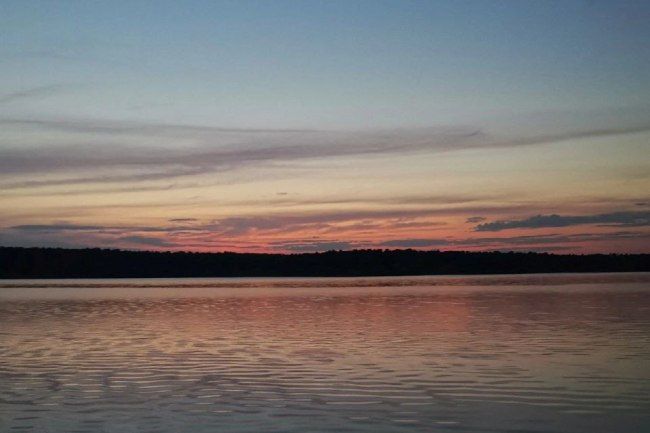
column 223, row 149
column 629, row 219
column 35, row 92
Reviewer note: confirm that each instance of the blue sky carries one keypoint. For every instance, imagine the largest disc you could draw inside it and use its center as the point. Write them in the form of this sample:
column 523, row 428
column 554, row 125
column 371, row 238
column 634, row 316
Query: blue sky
column 338, row 64
column 391, row 121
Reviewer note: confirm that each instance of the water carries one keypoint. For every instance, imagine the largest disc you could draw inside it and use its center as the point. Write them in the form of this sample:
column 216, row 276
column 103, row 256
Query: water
column 545, row 353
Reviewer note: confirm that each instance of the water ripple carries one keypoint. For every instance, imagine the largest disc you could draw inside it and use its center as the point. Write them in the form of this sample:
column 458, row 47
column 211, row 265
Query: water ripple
column 554, row 355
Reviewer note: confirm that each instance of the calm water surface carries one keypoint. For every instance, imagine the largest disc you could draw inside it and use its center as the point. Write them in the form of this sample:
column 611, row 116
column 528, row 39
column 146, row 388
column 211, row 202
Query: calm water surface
column 544, row 353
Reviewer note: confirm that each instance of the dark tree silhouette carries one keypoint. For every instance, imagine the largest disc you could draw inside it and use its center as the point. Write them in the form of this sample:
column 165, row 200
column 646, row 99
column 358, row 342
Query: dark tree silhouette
column 104, row 263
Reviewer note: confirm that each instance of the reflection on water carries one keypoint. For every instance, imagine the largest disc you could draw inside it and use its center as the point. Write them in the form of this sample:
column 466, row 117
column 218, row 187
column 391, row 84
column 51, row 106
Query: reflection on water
column 469, row 354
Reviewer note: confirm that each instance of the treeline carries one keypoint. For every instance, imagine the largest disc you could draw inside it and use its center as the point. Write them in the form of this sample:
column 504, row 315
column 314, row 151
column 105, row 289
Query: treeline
column 104, row 263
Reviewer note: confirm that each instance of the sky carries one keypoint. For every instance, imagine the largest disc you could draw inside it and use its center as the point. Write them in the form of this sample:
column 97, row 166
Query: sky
column 299, row 126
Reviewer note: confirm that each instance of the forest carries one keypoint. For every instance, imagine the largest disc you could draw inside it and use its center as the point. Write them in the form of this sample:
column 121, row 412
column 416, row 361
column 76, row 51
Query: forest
column 18, row 262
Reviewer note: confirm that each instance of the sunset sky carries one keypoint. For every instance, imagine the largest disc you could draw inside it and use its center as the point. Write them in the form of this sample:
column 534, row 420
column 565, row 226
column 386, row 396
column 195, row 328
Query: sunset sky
column 295, row 126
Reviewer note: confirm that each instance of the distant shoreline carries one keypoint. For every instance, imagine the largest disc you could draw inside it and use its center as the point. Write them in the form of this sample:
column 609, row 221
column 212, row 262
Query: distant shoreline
column 33, row 263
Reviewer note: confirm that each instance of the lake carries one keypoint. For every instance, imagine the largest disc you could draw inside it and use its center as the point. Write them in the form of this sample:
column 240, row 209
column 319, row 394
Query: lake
column 521, row 353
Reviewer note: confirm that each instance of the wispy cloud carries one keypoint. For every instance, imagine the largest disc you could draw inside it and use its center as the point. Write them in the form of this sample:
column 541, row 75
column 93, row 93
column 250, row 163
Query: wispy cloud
column 551, row 242
column 34, row 92
column 354, row 220
column 290, row 225
column 308, row 247
column 120, row 128
column 416, row 243
column 494, row 242
column 227, row 235
column 223, row 151
column 634, row 218
column 115, row 145
column 116, row 229
column 147, row 241
column 56, row 227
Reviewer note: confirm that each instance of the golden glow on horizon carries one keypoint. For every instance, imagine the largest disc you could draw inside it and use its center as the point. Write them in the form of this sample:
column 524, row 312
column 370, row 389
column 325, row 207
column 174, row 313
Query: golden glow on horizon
column 360, row 202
